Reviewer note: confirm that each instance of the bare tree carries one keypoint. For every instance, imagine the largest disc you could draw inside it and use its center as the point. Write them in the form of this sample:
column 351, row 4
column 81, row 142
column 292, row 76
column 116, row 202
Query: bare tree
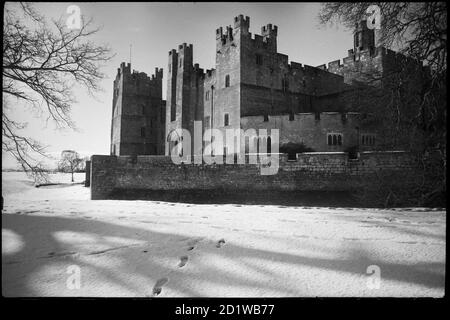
column 42, row 62
column 417, row 29
column 70, row 162
column 408, row 101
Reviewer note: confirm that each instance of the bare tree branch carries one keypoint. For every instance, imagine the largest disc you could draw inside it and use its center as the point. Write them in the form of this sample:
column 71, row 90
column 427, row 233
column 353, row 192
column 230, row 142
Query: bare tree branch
column 42, row 62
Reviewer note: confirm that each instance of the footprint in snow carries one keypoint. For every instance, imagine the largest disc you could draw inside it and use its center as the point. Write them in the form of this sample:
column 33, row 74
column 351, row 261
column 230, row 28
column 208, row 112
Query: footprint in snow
column 220, row 243
column 158, row 286
column 183, row 261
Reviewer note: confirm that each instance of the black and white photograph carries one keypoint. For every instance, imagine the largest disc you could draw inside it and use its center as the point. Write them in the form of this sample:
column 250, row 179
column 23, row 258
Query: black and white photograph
column 224, row 150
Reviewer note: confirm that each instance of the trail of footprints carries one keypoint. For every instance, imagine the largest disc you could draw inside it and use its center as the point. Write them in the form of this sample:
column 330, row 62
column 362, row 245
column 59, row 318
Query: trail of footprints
column 157, row 288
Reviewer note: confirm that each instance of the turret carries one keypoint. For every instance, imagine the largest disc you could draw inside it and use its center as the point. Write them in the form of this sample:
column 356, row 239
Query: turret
column 364, row 38
column 219, row 37
column 269, row 34
column 242, row 24
column 185, row 56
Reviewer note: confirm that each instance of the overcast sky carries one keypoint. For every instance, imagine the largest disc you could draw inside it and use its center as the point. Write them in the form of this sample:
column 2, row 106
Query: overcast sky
column 153, row 29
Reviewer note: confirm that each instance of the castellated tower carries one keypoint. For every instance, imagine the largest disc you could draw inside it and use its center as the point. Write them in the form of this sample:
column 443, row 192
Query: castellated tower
column 184, row 93
column 138, row 113
column 369, row 62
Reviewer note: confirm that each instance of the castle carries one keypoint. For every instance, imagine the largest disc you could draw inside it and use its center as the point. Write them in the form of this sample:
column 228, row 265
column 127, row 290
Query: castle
column 251, row 86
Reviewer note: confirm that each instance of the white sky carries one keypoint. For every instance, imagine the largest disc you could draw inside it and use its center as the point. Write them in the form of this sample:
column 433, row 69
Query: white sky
column 153, row 29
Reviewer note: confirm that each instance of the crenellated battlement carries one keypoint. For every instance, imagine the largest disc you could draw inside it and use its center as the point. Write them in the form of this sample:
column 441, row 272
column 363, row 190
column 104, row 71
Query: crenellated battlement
column 241, row 22
column 302, row 117
column 210, row 73
column 269, row 30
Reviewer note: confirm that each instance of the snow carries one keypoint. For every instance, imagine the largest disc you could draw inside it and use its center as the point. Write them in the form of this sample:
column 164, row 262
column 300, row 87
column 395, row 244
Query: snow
column 152, row 248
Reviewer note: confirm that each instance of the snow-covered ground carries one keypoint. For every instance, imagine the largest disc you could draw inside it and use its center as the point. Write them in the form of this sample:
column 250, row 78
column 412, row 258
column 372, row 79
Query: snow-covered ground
column 150, row 248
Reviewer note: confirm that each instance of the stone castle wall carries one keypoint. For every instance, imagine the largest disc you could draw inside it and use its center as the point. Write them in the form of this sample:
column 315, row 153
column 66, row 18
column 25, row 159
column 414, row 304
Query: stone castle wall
column 312, row 129
column 111, row 175
column 137, row 107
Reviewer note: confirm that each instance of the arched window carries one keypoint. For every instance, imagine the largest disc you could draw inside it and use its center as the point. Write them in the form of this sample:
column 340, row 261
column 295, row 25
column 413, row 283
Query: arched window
column 334, row 139
column 226, row 119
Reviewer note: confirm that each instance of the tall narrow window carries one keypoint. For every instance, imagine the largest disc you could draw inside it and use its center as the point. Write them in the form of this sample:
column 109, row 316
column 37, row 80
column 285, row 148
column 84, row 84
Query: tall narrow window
column 227, row 81
column 285, row 84
column 269, row 145
column 173, row 111
column 143, row 132
column 226, row 120
column 334, row 139
column 259, row 59
column 207, row 95
column 181, row 62
column 169, row 67
column 368, row 139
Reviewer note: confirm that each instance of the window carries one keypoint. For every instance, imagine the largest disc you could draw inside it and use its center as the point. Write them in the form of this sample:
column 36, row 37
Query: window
column 227, row 81
column 226, row 119
column 169, row 67
column 259, row 59
column 334, row 139
column 285, row 84
column 266, row 117
column 207, row 122
column 368, row 139
column 317, row 116
column 143, row 132
column 269, row 145
column 181, row 62
column 173, row 110
column 207, row 95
